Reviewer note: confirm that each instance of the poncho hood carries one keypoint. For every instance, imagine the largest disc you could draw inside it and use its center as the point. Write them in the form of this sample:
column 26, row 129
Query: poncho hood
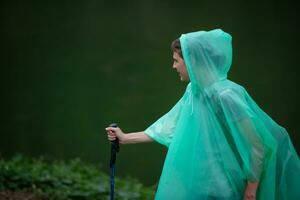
column 208, row 57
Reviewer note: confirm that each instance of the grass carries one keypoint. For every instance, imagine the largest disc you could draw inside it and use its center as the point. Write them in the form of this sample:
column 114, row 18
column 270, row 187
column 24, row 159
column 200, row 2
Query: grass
column 65, row 180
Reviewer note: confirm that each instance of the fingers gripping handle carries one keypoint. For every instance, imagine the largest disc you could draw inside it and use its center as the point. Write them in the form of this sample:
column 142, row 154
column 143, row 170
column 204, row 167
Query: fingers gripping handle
column 114, row 147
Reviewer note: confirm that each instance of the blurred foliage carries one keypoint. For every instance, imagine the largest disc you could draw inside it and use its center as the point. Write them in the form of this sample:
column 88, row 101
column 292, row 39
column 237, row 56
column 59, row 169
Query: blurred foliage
column 62, row 180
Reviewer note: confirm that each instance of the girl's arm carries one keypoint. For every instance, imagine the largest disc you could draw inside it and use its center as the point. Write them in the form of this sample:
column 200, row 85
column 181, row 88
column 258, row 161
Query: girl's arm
column 136, row 137
column 127, row 138
column 250, row 192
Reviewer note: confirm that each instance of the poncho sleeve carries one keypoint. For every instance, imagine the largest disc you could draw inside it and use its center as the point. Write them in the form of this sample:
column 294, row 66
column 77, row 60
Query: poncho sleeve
column 163, row 128
column 247, row 130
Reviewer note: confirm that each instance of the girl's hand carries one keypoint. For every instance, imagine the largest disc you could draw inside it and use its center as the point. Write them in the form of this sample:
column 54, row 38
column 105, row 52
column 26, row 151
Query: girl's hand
column 250, row 192
column 113, row 133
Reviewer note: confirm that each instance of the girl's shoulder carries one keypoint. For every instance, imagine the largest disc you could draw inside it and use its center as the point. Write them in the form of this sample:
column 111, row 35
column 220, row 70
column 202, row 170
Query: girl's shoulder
column 227, row 88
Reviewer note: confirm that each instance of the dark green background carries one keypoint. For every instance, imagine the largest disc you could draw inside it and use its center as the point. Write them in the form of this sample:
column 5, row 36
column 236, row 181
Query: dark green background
column 69, row 68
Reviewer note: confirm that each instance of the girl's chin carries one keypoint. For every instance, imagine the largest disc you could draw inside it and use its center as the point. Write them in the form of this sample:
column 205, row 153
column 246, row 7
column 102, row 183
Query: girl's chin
column 183, row 79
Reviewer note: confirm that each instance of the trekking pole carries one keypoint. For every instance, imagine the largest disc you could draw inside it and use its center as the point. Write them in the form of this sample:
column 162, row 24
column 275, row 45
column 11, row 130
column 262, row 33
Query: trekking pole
column 113, row 153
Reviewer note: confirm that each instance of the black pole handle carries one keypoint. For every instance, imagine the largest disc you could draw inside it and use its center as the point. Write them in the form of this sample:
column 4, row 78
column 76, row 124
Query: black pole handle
column 114, row 147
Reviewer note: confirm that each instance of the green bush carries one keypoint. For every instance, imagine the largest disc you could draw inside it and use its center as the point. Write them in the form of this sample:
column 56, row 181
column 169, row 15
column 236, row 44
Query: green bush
column 62, row 180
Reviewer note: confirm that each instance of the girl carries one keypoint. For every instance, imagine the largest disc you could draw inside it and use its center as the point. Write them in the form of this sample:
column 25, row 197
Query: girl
column 221, row 144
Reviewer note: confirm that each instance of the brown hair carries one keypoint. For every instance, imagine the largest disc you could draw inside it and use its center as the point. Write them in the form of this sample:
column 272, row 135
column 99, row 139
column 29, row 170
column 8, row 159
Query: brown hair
column 176, row 47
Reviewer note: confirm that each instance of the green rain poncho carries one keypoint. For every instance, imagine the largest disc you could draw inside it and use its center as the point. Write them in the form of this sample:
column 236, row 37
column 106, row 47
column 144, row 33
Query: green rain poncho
column 218, row 138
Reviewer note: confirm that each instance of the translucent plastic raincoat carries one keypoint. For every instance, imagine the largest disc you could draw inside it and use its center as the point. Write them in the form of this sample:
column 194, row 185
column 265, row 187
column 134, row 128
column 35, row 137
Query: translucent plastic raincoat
column 218, row 138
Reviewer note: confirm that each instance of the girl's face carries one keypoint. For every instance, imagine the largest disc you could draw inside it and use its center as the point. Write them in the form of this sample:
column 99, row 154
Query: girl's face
column 180, row 67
